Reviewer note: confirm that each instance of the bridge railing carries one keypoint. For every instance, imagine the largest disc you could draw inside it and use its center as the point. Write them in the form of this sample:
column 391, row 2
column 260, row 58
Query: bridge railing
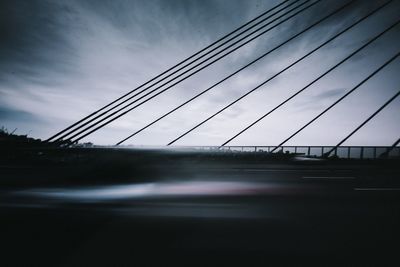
column 349, row 152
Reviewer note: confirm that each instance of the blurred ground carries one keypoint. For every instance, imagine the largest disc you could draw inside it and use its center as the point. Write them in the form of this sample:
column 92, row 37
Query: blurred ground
column 139, row 207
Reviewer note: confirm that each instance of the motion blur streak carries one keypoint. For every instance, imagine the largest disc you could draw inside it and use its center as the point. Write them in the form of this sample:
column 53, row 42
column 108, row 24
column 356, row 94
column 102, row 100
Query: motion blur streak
column 149, row 190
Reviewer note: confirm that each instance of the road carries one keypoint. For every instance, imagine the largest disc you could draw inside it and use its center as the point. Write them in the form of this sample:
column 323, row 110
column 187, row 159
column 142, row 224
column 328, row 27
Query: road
column 273, row 213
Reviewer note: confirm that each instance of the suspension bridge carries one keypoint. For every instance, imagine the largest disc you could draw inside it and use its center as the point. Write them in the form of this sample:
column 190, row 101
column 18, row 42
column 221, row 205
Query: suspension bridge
column 263, row 24
column 278, row 15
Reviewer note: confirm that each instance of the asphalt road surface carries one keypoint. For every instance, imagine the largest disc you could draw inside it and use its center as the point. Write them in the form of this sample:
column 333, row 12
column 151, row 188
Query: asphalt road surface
column 294, row 213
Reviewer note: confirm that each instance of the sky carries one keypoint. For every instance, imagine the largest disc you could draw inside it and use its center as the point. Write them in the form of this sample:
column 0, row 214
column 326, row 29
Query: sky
column 62, row 60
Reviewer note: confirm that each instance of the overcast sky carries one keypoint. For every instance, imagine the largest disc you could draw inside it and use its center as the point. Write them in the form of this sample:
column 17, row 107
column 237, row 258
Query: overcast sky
column 61, row 60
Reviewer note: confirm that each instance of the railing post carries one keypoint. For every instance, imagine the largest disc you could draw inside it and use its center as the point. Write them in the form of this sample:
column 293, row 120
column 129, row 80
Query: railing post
column 362, row 153
column 374, row 152
column 348, row 152
column 255, row 149
column 308, row 151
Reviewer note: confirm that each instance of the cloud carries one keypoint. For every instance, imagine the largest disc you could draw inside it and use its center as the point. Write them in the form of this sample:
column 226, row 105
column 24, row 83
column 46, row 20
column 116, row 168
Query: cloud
column 7, row 114
column 332, row 93
column 319, row 100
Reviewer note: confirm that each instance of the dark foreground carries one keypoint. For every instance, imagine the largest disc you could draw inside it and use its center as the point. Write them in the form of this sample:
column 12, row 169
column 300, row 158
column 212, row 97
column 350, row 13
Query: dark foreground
column 125, row 208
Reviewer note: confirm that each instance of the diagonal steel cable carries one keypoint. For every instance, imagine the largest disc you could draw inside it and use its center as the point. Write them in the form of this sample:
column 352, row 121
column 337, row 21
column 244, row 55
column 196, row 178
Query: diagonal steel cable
column 76, row 135
column 237, row 71
column 313, row 82
column 171, row 68
column 280, row 72
column 362, row 124
column 339, row 100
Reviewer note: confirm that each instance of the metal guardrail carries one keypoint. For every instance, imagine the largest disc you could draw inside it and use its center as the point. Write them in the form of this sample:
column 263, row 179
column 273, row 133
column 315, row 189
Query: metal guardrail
column 349, row 152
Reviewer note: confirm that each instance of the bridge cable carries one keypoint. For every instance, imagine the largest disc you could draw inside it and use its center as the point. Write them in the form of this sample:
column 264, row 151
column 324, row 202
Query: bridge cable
column 277, row 74
column 393, row 146
column 169, row 87
column 171, row 68
column 362, row 124
column 339, row 100
column 181, row 74
column 179, row 81
column 313, row 82
column 389, row 149
column 237, row 71
column 396, row 143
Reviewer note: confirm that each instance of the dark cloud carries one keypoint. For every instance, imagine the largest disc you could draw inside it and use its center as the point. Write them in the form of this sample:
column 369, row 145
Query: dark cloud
column 30, row 33
column 10, row 114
